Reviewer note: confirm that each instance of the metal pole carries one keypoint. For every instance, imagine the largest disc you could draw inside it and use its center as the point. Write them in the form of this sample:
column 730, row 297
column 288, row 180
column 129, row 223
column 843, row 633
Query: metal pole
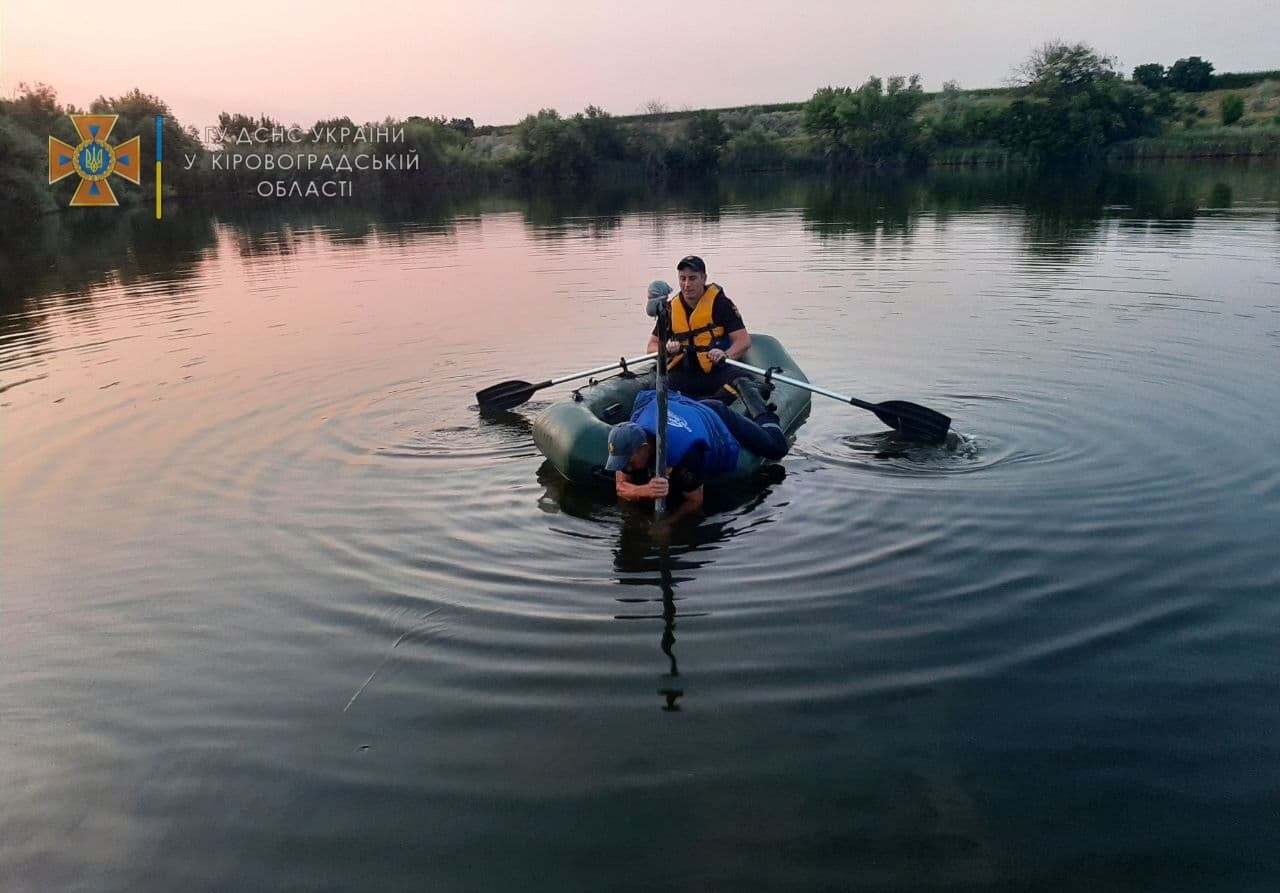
column 660, row 452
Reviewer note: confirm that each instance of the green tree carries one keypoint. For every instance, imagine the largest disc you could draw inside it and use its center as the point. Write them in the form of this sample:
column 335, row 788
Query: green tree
column 138, row 111
column 1073, row 103
column 602, row 134
column 552, row 149
column 1151, row 75
column 319, row 131
column 34, row 106
column 234, row 125
column 650, row 149
column 464, row 126
column 23, row 193
column 1231, row 108
column 432, row 139
column 964, row 122
column 1191, row 75
column 704, row 136
column 871, row 125
column 1057, row 69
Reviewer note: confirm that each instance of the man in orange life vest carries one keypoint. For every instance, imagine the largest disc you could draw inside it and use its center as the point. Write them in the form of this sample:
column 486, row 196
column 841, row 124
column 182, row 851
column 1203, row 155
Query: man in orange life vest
column 705, row 327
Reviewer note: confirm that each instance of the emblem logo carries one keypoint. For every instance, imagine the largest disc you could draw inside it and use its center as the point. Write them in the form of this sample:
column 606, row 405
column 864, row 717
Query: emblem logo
column 95, row 160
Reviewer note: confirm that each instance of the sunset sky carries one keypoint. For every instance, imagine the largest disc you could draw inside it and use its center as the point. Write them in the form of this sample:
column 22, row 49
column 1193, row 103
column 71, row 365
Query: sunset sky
column 496, row 61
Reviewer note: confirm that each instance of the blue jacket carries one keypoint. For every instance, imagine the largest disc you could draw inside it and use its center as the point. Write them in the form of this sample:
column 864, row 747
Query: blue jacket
column 689, row 424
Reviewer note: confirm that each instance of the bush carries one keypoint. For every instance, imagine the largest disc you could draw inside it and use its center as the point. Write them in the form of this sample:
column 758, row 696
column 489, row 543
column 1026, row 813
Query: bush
column 705, row 135
column 557, row 149
column 1190, row 75
column 552, row 148
column 753, row 149
column 1236, row 80
column 602, row 134
column 1150, row 75
column 1232, row 108
column 780, row 123
column 963, row 121
column 870, row 125
column 738, row 120
column 23, row 191
column 648, row 147
column 432, row 140
column 464, row 126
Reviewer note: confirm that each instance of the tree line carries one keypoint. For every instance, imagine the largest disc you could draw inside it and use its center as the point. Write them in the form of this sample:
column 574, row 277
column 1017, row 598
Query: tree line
column 1068, row 102
column 1065, row 102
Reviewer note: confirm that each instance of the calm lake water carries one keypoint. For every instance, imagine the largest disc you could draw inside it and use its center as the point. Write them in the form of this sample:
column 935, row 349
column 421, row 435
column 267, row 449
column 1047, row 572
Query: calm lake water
column 280, row 611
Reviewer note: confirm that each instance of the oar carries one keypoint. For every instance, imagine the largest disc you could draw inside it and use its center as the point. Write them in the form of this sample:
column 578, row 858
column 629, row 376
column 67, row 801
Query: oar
column 910, row 420
column 508, row 394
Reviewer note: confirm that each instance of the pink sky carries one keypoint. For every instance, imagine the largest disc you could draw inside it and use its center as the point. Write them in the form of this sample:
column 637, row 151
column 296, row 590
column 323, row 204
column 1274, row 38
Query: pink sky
column 496, row 61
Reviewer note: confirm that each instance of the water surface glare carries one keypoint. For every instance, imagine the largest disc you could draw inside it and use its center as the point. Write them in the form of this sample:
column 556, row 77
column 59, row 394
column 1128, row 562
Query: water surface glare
column 280, row 610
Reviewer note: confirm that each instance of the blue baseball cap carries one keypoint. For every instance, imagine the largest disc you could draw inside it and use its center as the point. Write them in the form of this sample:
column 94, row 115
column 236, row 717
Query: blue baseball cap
column 624, row 440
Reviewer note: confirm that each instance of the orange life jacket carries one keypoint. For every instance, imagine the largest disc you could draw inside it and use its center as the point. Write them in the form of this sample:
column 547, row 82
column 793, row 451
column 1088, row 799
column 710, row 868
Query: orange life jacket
column 696, row 329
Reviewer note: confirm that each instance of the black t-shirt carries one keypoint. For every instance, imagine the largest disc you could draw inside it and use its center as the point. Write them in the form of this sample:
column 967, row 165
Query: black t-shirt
column 724, row 313
column 684, row 478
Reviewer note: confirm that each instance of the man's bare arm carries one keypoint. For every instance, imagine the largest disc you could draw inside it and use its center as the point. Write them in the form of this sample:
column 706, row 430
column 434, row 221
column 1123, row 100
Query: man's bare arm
column 629, row 491
column 739, row 342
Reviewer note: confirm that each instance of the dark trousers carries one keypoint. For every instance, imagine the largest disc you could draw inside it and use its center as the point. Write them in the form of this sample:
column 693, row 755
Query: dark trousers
column 699, row 385
column 762, row 435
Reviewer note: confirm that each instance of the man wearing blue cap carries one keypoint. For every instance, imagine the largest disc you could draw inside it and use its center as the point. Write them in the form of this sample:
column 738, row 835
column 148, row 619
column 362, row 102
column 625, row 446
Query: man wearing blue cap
column 703, row 440
column 706, row 327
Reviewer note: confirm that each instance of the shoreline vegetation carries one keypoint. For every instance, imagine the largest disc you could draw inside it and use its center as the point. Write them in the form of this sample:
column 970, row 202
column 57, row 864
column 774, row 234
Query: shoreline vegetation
column 1066, row 104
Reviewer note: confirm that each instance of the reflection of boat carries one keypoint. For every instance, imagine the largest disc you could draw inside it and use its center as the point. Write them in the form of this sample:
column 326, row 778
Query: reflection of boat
column 574, row 433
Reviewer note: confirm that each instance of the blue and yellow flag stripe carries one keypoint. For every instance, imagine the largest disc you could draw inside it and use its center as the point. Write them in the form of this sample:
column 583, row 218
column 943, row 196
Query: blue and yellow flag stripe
column 159, row 160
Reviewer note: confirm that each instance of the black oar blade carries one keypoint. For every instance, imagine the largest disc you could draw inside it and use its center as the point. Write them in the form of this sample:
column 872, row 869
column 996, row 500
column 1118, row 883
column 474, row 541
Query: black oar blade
column 505, row 395
column 913, row 422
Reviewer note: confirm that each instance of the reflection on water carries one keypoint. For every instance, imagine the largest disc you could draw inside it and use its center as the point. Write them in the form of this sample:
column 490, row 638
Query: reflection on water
column 959, row 454
column 281, row 610
column 658, row 555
